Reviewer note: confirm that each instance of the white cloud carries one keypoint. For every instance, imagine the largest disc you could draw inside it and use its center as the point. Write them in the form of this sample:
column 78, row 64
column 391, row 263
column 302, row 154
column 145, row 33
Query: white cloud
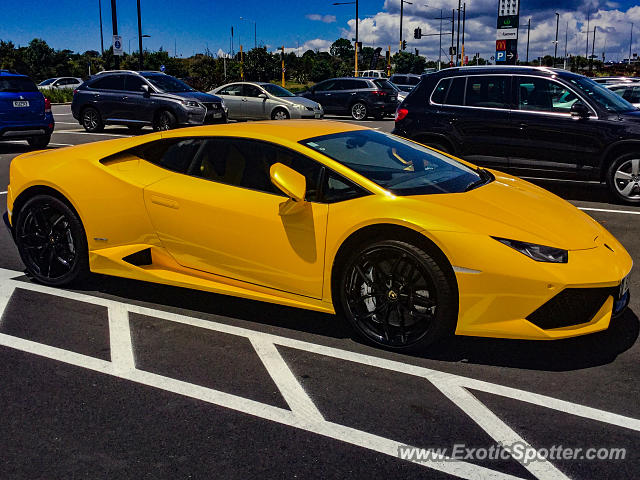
column 321, row 18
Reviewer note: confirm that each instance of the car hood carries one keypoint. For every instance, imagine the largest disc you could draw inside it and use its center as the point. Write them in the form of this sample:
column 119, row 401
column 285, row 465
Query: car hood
column 298, row 100
column 199, row 96
column 633, row 115
column 512, row 208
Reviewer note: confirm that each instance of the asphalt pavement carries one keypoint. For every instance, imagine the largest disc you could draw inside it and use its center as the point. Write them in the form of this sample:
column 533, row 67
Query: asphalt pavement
column 121, row 379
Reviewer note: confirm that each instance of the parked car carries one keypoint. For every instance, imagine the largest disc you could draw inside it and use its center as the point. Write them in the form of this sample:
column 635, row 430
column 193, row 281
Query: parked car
column 260, row 101
column 373, row 74
column 25, row 114
column 537, row 122
column 614, row 80
column 136, row 99
column 629, row 91
column 405, row 81
column 60, row 83
column 358, row 97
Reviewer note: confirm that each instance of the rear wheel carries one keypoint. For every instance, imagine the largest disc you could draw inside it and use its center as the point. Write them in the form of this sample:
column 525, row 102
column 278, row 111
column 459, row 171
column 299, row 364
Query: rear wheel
column 51, row 241
column 359, row 111
column 41, row 141
column 623, row 178
column 91, row 120
column 397, row 296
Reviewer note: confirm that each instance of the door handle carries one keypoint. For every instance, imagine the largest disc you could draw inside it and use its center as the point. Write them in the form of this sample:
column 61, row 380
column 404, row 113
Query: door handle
column 164, row 202
column 453, row 121
column 522, row 126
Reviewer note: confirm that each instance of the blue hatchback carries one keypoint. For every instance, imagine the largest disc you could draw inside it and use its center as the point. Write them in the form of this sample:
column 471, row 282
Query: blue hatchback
column 25, row 114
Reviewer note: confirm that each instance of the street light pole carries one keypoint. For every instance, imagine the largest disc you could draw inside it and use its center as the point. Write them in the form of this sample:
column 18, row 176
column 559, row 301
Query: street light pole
column 458, row 36
column 114, row 24
column 140, row 63
column 630, row 42
column 101, row 35
column 528, row 36
column 555, row 50
column 255, row 31
column 357, row 39
column 566, row 41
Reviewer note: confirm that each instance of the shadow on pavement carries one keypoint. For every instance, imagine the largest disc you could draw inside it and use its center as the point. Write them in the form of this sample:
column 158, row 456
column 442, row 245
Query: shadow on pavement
column 586, row 192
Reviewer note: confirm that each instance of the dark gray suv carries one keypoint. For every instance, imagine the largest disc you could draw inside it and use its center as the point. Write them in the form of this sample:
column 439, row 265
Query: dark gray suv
column 136, row 99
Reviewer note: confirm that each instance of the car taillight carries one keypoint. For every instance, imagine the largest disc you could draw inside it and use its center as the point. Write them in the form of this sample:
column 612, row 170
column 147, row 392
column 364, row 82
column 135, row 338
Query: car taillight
column 75, row 91
column 47, row 105
column 401, row 113
column 379, row 93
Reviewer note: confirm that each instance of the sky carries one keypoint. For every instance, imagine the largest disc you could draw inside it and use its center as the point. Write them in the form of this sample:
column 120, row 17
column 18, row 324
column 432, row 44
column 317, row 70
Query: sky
column 192, row 26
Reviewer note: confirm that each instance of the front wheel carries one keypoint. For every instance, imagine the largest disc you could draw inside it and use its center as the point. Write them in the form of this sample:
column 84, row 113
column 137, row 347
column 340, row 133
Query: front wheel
column 51, row 241
column 280, row 114
column 397, row 296
column 359, row 111
column 165, row 120
column 623, row 178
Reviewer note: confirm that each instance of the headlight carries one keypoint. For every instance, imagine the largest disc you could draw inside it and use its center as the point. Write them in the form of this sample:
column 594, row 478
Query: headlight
column 222, row 104
column 298, row 106
column 539, row 253
column 191, row 103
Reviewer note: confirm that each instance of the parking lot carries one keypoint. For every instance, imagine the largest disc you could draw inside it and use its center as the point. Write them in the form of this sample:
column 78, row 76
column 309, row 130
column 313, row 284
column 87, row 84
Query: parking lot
column 121, row 379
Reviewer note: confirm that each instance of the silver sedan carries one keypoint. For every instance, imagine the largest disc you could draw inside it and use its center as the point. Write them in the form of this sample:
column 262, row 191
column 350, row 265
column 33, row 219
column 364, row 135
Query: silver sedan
column 260, row 101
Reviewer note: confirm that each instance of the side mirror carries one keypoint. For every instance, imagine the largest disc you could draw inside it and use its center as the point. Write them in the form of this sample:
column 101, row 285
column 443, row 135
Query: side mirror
column 262, row 95
column 580, row 110
column 145, row 90
column 290, row 182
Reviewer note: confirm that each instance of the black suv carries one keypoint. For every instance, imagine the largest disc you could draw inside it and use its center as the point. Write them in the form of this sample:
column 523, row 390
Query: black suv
column 136, row 99
column 405, row 81
column 358, row 97
column 536, row 122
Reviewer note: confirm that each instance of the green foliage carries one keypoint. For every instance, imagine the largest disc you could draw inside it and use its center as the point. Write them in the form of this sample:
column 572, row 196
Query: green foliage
column 63, row 95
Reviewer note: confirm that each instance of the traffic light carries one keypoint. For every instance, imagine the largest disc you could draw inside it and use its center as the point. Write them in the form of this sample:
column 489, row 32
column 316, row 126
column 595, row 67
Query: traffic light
column 404, row 44
column 387, row 56
column 417, row 53
column 417, row 33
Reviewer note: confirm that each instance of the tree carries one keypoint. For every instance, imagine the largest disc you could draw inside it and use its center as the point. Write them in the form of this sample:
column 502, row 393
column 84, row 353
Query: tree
column 321, row 70
column 343, row 49
column 260, row 65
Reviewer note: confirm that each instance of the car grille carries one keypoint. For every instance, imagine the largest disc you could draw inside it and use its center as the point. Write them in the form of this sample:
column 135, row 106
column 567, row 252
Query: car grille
column 212, row 106
column 310, row 108
column 572, row 306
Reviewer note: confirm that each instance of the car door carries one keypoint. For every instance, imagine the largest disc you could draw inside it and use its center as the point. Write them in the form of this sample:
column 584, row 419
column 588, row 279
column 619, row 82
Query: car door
column 548, row 138
column 109, row 93
column 232, row 96
column 223, row 216
column 325, row 94
column 253, row 107
column 477, row 111
column 137, row 104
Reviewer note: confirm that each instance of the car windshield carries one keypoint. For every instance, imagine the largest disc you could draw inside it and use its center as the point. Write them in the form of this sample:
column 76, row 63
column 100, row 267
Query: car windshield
column 17, row 84
column 46, row 82
column 168, row 84
column 396, row 164
column 601, row 95
column 277, row 91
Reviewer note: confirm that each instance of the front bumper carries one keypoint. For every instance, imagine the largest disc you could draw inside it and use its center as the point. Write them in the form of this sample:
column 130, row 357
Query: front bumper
column 505, row 294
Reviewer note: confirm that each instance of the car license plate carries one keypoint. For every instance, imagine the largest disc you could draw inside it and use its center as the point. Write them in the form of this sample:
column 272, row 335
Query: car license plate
column 217, row 115
column 317, row 115
column 20, row 103
column 624, row 286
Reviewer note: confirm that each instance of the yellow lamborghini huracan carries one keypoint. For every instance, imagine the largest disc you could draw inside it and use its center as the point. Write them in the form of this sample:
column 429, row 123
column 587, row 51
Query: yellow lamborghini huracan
column 405, row 242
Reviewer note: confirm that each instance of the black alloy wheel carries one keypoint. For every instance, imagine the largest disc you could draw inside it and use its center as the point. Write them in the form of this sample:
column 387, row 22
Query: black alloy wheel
column 397, row 296
column 165, row 120
column 51, row 241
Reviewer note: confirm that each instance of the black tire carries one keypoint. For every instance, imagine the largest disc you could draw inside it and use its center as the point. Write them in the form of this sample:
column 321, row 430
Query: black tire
column 623, row 178
column 280, row 114
column 91, row 120
column 135, row 128
column 41, row 141
column 51, row 241
column 359, row 111
column 165, row 120
column 397, row 296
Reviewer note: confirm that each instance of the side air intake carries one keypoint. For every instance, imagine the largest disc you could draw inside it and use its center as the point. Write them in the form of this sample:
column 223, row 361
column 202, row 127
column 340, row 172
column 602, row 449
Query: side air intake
column 139, row 259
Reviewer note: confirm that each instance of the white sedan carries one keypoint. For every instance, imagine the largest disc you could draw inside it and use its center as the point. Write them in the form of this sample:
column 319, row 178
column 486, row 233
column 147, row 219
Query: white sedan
column 59, row 83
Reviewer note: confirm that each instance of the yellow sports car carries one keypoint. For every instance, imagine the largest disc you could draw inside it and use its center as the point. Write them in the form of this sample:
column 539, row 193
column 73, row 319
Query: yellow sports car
column 405, row 242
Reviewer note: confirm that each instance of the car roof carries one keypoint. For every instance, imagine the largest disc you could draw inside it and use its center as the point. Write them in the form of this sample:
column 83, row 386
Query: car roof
column 292, row 130
column 9, row 73
column 501, row 69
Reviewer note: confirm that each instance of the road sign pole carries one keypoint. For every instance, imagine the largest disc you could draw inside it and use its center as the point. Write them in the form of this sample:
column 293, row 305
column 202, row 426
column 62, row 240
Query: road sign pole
column 114, row 23
column 283, row 66
column 140, row 59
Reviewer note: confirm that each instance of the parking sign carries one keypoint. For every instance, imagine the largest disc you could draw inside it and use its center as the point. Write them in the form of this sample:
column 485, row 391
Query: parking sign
column 501, row 56
column 117, row 45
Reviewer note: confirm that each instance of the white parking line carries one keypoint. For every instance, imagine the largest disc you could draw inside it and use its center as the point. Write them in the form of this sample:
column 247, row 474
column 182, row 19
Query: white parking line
column 82, row 132
column 628, row 212
column 455, row 387
column 3, row 193
column 66, row 123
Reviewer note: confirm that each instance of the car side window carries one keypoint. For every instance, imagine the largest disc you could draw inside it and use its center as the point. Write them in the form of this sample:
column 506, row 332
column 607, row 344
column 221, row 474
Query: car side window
column 133, row 83
column 413, row 80
column 110, row 82
column 336, row 188
column 455, row 95
column 247, row 163
column 325, row 86
column 176, row 154
column 251, row 91
column 440, row 92
column 542, row 95
column 487, row 91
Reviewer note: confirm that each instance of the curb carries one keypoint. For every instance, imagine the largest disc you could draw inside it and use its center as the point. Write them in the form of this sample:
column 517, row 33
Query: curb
column 64, row 103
